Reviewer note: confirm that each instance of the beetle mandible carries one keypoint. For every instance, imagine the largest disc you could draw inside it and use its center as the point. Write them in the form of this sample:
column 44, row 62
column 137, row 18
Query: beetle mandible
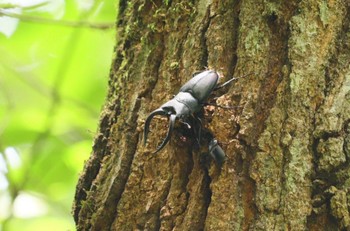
column 190, row 100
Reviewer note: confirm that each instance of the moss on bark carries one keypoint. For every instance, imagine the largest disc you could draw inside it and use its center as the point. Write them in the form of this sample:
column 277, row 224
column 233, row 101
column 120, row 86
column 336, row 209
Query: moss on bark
column 286, row 140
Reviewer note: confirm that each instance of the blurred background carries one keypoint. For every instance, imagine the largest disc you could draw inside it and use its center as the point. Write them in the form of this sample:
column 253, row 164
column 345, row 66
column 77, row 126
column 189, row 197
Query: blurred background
column 55, row 57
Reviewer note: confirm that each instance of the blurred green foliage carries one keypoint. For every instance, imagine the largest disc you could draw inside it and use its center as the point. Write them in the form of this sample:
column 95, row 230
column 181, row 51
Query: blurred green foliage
column 54, row 63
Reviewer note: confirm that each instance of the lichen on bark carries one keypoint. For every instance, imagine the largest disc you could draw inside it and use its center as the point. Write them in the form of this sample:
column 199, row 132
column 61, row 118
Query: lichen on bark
column 286, row 138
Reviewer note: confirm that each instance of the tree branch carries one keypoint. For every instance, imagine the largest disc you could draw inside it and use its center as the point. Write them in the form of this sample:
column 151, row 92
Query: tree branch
column 27, row 18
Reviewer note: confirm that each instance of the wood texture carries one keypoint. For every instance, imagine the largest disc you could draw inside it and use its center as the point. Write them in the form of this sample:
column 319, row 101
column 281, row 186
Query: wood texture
column 287, row 140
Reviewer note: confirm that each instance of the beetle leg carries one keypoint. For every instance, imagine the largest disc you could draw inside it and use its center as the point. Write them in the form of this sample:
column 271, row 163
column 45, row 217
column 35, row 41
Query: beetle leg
column 220, row 106
column 216, row 151
column 158, row 111
column 168, row 135
column 224, row 84
column 230, row 80
column 198, row 129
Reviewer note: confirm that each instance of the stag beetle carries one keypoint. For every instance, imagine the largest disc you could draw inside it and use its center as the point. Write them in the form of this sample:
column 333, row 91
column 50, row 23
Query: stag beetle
column 185, row 105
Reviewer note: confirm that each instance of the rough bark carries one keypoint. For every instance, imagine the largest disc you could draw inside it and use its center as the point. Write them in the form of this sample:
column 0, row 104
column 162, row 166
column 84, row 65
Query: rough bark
column 287, row 141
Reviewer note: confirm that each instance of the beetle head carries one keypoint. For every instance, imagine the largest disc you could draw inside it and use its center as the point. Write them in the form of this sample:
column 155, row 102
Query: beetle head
column 162, row 112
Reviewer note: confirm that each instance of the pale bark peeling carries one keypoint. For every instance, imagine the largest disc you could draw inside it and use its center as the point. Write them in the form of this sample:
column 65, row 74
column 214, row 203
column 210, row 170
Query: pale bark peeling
column 287, row 141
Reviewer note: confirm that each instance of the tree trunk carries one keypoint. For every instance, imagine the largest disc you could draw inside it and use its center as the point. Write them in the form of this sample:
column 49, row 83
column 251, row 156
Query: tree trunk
column 287, row 140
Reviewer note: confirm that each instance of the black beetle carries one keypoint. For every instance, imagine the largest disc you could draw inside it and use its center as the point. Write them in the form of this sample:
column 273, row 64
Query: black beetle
column 190, row 100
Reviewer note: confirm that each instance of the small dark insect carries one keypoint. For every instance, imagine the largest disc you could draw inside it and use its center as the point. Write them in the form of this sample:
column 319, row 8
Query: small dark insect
column 185, row 106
